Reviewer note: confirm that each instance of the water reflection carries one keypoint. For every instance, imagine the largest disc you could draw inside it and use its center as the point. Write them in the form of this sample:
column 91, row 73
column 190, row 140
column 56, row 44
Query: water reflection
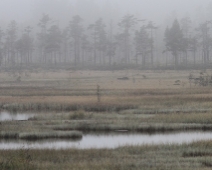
column 110, row 141
column 5, row 116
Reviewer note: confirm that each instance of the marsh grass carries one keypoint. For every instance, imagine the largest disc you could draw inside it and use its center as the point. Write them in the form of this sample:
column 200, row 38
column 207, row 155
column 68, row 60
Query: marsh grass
column 195, row 118
column 164, row 111
column 141, row 106
column 156, row 102
column 80, row 114
column 41, row 135
column 123, row 158
column 92, row 107
column 197, row 153
column 109, row 121
column 50, row 135
column 144, row 127
column 21, row 160
column 207, row 163
column 9, row 135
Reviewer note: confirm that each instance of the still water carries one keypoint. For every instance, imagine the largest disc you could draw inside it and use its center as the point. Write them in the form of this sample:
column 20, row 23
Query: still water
column 5, row 116
column 109, row 141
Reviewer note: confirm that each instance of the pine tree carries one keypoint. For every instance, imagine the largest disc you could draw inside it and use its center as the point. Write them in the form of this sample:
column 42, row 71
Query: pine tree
column 1, row 46
column 99, row 38
column 151, row 27
column 174, row 41
column 25, row 46
column 126, row 24
column 53, row 42
column 143, row 44
column 10, row 44
column 205, row 41
column 44, row 23
column 76, row 32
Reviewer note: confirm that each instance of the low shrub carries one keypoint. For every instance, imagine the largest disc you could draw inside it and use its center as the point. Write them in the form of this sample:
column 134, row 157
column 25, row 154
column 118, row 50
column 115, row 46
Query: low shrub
column 80, row 114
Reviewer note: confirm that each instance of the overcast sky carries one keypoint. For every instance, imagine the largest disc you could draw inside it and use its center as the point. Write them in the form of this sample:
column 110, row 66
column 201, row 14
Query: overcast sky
column 156, row 10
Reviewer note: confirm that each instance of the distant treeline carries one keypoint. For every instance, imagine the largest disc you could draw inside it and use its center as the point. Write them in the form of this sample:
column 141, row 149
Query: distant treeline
column 97, row 45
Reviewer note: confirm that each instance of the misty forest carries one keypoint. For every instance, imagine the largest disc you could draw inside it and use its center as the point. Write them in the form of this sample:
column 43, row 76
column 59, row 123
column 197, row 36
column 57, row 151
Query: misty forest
column 105, row 84
column 106, row 40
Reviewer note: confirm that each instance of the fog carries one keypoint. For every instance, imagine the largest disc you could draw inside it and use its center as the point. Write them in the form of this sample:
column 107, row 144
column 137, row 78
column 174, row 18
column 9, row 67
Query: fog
column 158, row 11
column 162, row 13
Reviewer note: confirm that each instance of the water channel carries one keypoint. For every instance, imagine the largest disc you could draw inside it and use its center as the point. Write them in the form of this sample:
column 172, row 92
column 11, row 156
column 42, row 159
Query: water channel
column 98, row 141
column 109, row 141
column 6, row 116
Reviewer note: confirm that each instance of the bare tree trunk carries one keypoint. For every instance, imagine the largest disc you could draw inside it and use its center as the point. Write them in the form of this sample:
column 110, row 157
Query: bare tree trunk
column 176, row 62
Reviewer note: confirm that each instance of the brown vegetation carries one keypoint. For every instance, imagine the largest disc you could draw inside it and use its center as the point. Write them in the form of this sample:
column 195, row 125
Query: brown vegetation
column 141, row 105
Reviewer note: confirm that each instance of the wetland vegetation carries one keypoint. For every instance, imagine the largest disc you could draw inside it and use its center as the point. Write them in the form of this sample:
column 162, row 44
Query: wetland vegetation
column 60, row 108
column 185, row 156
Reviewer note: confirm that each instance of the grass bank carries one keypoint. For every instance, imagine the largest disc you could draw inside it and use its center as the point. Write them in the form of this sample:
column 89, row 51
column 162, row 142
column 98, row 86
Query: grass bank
column 176, row 157
column 59, row 107
column 84, row 121
column 41, row 135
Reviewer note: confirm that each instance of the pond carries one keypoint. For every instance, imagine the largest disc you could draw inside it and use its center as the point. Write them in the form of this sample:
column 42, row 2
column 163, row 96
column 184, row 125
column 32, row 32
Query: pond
column 6, row 116
column 109, row 141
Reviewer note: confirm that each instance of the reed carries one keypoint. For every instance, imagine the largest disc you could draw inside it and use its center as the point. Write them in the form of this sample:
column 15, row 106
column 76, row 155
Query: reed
column 207, row 163
column 124, row 158
column 93, row 107
column 20, row 160
column 50, row 135
column 80, row 114
column 188, row 118
column 41, row 135
column 9, row 135
column 148, row 128
column 145, row 106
